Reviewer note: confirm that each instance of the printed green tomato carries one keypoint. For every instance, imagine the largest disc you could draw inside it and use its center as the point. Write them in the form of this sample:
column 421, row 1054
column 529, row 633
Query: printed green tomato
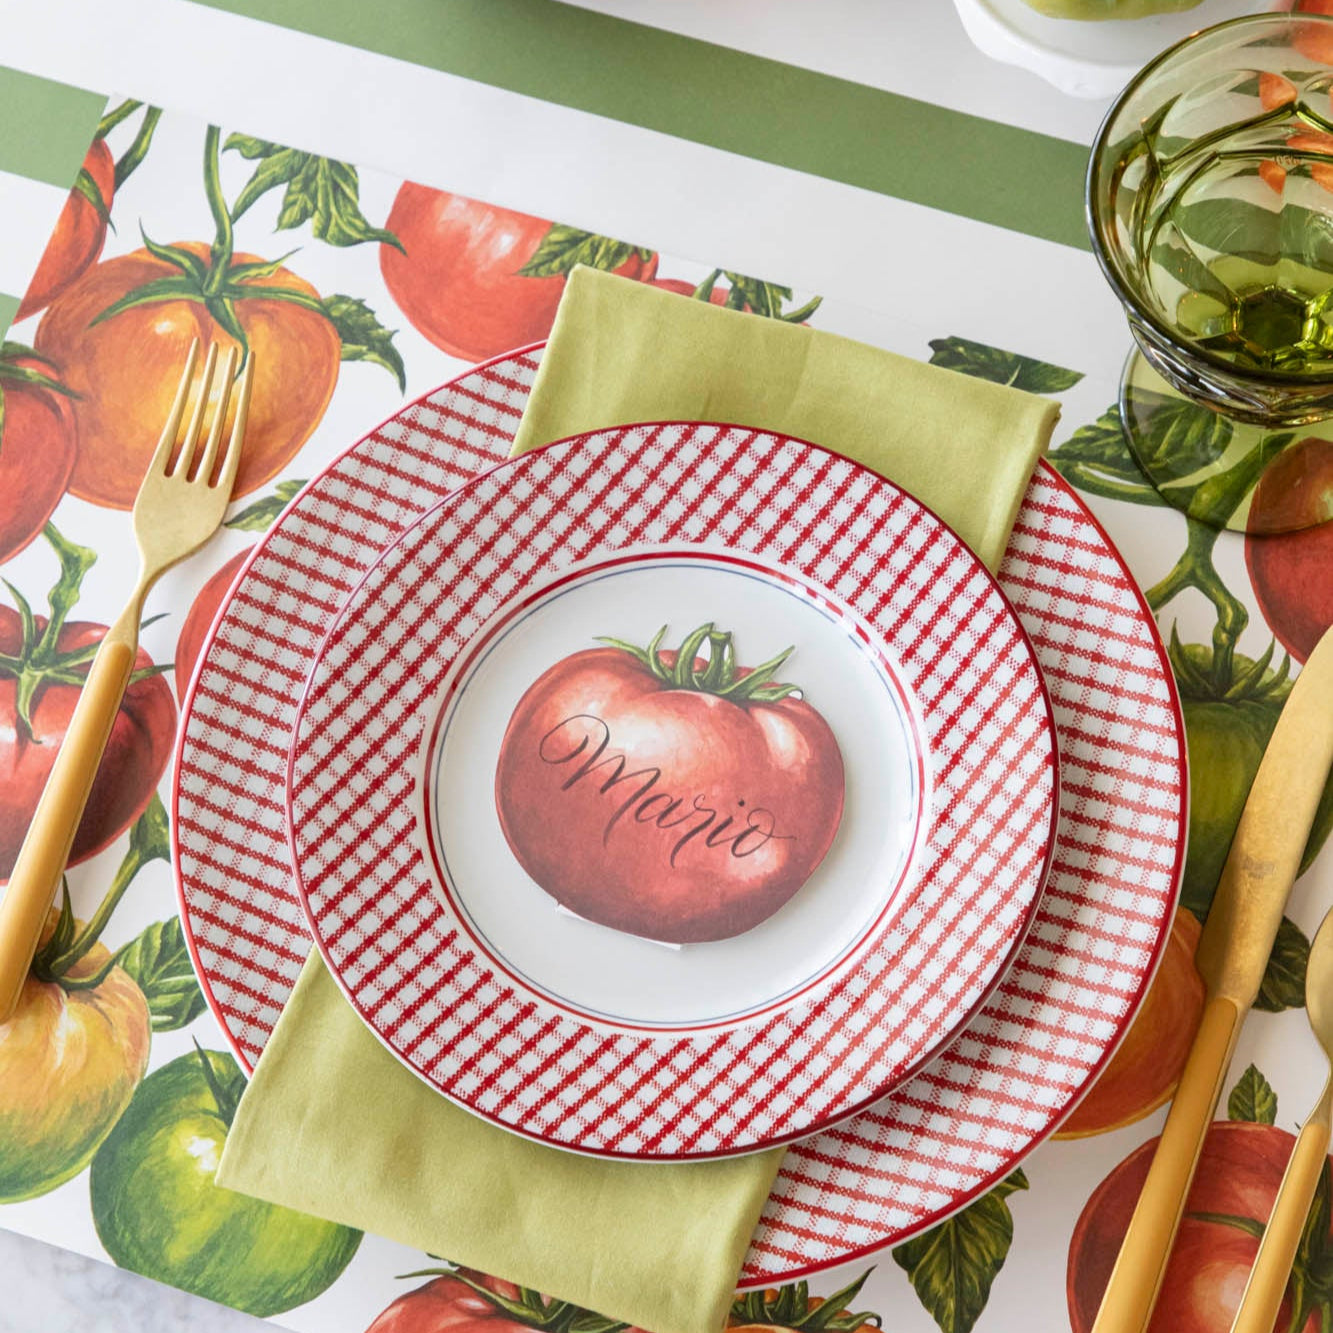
column 1227, row 729
column 158, row 1212
column 70, row 1060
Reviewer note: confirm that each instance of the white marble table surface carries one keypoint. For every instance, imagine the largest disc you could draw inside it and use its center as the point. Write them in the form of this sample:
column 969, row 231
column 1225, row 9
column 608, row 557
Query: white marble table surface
column 43, row 1287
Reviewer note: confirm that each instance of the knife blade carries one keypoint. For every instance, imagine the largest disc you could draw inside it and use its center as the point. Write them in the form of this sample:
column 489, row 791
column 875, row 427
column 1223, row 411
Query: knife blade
column 1231, row 958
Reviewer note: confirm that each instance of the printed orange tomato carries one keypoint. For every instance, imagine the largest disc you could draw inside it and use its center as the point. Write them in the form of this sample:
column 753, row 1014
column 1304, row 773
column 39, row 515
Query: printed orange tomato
column 1146, row 1067
column 477, row 280
column 199, row 620
column 666, row 796
column 79, row 234
column 126, row 366
column 36, row 446
column 1292, row 572
column 70, row 1059
column 1237, row 1180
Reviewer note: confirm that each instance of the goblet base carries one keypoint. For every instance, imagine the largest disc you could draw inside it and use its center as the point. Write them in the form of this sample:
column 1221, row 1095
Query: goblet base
column 1229, row 473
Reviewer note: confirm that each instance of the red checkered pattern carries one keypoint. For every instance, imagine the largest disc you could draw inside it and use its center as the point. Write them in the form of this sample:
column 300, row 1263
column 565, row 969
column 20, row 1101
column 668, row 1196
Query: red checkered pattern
column 248, row 934
column 970, row 1116
column 478, row 1034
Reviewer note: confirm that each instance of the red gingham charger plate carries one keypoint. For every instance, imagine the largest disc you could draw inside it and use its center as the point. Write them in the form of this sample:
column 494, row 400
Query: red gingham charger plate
column 547, row 1024
column 963, row 1122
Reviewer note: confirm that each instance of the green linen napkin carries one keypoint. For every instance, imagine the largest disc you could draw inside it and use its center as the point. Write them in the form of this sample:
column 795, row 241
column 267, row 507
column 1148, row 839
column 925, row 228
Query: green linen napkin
column 331, row 1124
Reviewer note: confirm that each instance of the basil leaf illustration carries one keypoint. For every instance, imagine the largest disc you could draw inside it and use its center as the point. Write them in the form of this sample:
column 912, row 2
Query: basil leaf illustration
column 364, row 338
column 258, row 517
column 953, row 1265
column 1252, row 1099
column 562, row 248
column 159, row 963
column 318, row 190
column 1283, row 986
column 1001, row 367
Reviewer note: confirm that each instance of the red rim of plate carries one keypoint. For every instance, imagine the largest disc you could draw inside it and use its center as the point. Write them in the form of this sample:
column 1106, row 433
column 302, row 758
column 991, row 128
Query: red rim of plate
column 683, row 1086
column 247, row 1016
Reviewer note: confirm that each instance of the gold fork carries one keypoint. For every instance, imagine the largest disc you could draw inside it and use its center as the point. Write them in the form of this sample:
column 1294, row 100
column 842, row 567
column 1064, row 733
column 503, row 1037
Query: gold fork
column 177, row 510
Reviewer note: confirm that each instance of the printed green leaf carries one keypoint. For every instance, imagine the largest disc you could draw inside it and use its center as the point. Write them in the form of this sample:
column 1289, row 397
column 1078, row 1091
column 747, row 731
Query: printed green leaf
column 1251, row 231
column 564, row 247
column 1253, row 1099
column 1000, row 367
column 1283, row 986
column 159, row 963
column 319, row 190
column 364, row 338
column 87, row 187
column 1097, row 459
column 953, row 1265
column 258, row 517
column 760, row 297
column 1178, row 437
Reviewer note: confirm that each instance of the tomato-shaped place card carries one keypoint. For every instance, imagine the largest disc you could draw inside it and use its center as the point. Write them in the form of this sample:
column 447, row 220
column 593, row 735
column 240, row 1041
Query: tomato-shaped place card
column 681, row 748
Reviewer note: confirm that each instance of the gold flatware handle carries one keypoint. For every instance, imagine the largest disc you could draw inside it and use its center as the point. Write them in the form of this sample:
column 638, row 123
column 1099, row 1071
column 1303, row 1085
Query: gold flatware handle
column 1277, row 1251
column 45, row 849
column 1131, row 1294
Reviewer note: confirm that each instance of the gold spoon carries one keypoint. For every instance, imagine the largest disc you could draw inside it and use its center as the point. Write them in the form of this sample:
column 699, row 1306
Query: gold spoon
column 1277, row 1251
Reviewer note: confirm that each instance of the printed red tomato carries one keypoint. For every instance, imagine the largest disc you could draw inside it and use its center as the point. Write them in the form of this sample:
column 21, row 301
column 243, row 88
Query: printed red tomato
column 458, row 278
column 1292, row 571
column 678, row 803
column 200, row 619
column 1239, row 1173
column 35, row 709
column 717, row 296
column 37, row 445
column 70, row 1059
column 79, row 234
column 126, row 368
column 1146, row 1067
column 466, row 1301
column 448, row 1304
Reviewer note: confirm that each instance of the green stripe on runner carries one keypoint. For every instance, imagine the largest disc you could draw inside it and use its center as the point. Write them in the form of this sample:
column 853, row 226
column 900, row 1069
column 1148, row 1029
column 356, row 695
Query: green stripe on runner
column 8, row 309
column 47, row 127
column 727, row 99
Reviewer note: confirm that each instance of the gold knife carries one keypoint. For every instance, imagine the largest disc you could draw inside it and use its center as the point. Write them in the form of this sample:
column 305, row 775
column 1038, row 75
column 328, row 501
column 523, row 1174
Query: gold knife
column 1232, row 955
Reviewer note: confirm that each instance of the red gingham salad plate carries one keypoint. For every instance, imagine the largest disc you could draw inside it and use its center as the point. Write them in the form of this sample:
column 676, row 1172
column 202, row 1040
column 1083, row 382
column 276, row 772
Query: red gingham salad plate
column 669, row 908
column 964, row 1121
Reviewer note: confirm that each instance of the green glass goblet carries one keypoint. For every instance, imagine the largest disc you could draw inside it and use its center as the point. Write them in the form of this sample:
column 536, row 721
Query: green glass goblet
column 1210, row 203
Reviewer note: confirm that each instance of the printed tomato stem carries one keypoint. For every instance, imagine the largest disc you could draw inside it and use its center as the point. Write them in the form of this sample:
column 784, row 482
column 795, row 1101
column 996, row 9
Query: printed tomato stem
column 138, row 149
column 38, row 656
column 790, row 1308
column 75, row 562
column 148, row 842
column 532, row 1308
column 719, row 675
column 1195, row 569
column 114, row 117
column 225, row 1100
column 224, row 241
